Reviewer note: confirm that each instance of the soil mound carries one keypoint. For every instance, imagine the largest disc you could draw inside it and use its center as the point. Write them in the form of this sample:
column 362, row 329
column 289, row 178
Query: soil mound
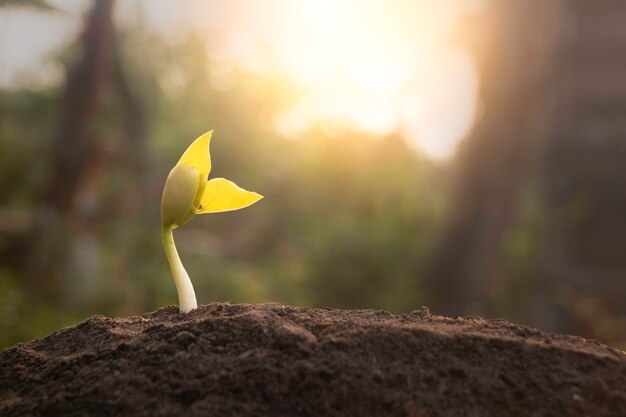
column 275, row 360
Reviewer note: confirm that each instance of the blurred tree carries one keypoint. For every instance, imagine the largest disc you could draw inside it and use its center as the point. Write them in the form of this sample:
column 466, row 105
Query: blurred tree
column 37, row 253
column 585, row 172
column 85, row 84
column 496, row 161
column 550, row 135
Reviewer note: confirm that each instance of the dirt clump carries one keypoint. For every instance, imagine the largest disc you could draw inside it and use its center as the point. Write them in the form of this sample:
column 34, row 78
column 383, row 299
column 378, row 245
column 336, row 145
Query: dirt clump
column 276, row 360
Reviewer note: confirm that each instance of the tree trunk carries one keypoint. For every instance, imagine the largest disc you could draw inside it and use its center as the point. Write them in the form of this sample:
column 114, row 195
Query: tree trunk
column 513, row 48
column 83, row 92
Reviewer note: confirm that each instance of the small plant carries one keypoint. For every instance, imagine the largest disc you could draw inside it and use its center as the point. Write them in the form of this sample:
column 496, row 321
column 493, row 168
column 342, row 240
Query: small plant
column 188, row 192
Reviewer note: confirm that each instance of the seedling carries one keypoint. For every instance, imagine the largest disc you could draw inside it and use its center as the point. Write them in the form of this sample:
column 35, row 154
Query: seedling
column 188, row 192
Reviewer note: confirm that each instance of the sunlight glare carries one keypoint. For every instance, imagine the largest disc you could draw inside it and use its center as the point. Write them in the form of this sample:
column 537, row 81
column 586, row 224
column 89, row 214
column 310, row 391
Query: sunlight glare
column 371, row 66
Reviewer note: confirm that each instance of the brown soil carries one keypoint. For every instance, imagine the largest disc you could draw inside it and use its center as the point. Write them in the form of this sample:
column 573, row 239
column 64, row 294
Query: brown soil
column 275, row 360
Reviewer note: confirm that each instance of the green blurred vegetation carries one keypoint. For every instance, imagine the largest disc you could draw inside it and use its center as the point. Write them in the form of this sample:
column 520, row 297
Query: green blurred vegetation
column 345, row 222
column 349, row 219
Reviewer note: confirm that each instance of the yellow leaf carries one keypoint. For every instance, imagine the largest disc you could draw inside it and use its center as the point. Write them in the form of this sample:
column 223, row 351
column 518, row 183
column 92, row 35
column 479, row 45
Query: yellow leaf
column 198, row 156
column 223, row 195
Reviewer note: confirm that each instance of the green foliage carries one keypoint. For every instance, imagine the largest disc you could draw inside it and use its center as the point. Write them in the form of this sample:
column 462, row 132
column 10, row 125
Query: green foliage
column 347, row 221
column 342, row 215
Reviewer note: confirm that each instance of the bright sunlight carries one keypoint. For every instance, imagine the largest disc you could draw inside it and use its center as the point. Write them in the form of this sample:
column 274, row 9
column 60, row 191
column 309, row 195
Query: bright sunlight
column 371, row 66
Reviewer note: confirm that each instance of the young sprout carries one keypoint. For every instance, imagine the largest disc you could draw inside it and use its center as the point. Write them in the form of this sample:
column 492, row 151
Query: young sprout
column 188, row 192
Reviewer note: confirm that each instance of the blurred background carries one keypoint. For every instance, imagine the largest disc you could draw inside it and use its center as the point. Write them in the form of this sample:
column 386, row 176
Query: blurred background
column 465, row 155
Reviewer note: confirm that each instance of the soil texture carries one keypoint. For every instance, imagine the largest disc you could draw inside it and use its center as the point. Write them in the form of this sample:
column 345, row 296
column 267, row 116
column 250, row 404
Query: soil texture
column 275, row 360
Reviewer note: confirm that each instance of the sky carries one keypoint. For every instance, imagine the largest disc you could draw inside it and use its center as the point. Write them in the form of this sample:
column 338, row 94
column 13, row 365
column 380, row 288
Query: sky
column 380, row 67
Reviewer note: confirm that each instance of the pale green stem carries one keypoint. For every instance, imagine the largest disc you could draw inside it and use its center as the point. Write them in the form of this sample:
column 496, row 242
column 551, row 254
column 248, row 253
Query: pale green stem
column 186, row 295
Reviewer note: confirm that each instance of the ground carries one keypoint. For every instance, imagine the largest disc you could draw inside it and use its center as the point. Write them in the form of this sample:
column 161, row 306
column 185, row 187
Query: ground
column 276, row 360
